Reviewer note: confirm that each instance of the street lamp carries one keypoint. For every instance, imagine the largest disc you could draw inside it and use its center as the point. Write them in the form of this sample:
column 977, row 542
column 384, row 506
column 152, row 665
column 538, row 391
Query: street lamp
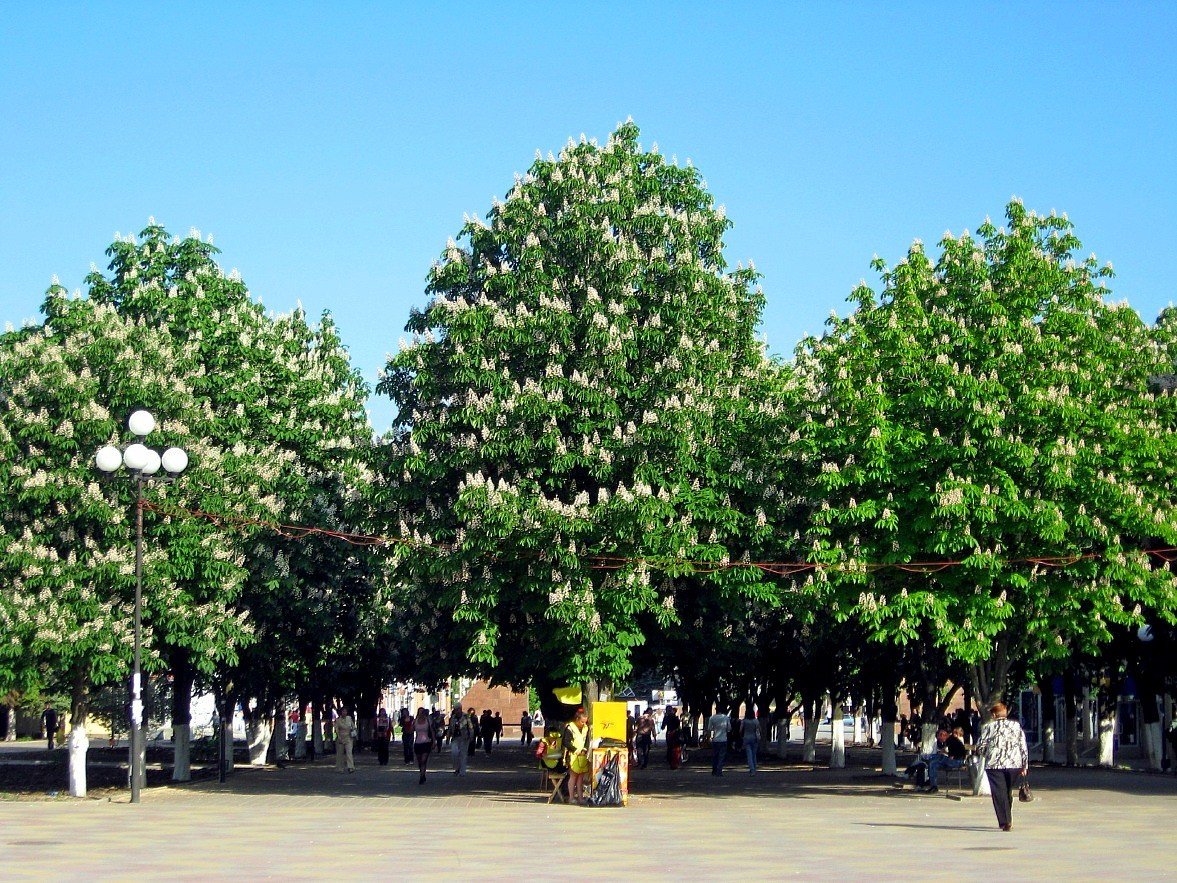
column 143, row 464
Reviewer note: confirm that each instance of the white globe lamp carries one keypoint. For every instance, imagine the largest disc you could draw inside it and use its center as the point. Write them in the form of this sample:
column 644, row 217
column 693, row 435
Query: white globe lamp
column 153, row 461
column 109, row 458
column 141, row 423
column 175, row 461
column 136, row 457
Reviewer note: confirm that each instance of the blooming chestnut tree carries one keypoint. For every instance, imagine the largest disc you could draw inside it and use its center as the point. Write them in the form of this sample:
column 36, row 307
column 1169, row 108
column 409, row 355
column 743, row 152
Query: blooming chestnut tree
column 282, row 392
column 66, row 537
column 563, row 448
column 991, row 408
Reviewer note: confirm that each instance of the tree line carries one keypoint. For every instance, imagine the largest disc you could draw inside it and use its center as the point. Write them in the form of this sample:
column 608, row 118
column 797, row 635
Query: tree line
column 598, row 472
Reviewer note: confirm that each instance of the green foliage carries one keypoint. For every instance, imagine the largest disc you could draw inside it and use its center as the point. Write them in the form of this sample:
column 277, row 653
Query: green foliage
column 989, row 406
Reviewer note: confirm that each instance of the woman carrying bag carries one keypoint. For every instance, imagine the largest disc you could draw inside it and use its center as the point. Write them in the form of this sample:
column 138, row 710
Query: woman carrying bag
column 1003, row 745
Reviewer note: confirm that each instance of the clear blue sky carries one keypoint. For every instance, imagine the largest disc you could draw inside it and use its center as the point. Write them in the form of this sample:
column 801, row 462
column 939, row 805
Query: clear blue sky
column 332, row 148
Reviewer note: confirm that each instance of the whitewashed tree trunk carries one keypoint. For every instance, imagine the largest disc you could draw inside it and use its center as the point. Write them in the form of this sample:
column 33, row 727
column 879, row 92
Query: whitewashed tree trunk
column 257, row 735
column 928, row 737
column 887, row 740
column 809, row 749
column 1048, row 742
column 278, row 736
column 1151, row 735
column 182, row 750
column 10, row 717
column 1107, row 736
column 79, row 744
column 300, row 740
column 859, row 735
column 837, row 743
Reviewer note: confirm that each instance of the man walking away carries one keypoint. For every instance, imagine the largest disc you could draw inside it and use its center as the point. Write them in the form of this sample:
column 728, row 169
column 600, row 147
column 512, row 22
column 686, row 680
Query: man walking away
column 718, row 727
column 49, row 722
column 751, row 732
column 498, row 728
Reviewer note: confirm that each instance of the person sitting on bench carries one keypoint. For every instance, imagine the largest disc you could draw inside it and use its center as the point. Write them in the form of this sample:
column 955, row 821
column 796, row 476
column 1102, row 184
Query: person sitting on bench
column 950, row 755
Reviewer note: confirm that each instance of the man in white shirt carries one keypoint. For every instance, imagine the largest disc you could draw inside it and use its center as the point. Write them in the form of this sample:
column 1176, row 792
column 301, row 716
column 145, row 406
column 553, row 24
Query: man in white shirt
column 718, row 727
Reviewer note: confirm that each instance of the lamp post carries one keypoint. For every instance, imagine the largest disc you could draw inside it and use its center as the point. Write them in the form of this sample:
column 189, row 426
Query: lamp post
column 143, row 464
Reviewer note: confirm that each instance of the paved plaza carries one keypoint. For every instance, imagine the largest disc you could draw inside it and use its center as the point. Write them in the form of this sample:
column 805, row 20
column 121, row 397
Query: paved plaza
column 309, row 822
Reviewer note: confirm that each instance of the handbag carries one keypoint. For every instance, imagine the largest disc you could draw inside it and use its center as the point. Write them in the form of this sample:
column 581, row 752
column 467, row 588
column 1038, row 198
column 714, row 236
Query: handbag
column 1025, row 795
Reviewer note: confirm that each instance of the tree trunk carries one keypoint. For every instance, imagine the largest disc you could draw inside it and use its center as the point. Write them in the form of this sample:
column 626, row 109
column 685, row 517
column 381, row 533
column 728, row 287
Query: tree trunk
column 277, row 750
column 182, row 678
column 10, row 718
column 317, row 728
column 889, row 711
column 812, row 722
column 837, row 736
column 858, row 731
column 1072, row 727
column 1107, row 728
column 78, row 743
column 1150, row 714
column 1085, row 717
column 258, row 728
column 1046, row 689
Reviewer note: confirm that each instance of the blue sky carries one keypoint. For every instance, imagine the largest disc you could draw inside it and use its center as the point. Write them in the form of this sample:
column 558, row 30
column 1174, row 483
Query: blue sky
column 332, row 148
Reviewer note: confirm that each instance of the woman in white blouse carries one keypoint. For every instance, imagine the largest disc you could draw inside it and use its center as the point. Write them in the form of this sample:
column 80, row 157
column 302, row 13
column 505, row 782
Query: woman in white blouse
column 1003, row 745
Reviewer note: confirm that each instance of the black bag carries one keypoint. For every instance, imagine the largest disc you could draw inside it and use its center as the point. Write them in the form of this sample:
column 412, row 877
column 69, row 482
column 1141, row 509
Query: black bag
column 1025, row 795
column 607, row 790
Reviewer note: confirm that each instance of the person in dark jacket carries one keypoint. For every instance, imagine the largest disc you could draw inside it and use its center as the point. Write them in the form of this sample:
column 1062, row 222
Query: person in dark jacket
column 486, row 726
column 49, row 722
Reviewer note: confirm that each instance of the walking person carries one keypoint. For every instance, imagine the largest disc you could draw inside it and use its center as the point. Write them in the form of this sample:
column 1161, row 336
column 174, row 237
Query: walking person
column 645, row 737
column 383, row 734
column 422, row 742
column 345, row 734
column 750, row 728
column 49, row 722
column 718, row 728
column 461, row 732
column 673, row 729
column 487, row 727
column 1003, row 745
column 407, row 735
column 498, row 722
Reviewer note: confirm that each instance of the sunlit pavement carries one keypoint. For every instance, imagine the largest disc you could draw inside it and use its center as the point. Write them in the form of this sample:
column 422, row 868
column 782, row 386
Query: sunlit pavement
column 309, row 822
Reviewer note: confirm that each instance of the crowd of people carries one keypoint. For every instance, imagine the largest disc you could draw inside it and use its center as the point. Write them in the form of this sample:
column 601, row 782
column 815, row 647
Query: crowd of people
column 422, row 734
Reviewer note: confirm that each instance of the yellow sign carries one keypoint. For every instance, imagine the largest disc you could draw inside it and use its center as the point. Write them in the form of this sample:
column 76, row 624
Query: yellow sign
column 609, row 721
column 569, row 695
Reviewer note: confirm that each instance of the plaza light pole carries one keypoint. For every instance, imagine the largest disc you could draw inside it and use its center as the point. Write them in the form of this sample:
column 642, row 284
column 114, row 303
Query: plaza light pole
column 142, row 463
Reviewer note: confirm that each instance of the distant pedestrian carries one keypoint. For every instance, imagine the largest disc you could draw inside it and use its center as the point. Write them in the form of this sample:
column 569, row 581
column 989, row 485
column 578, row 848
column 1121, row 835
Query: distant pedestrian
column 472, row 716
column 1003, row 745
column 437, row 721
column 718, row 728
column 487, row 728
column 672, row 726
column 49, row 723
column 383, row 734
column 461, row 731
column 345, row 733
column 407, row 735
column 422, row 742
column 498, row 728
column 525, row 736
column 644, row 738
column 750, row 730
